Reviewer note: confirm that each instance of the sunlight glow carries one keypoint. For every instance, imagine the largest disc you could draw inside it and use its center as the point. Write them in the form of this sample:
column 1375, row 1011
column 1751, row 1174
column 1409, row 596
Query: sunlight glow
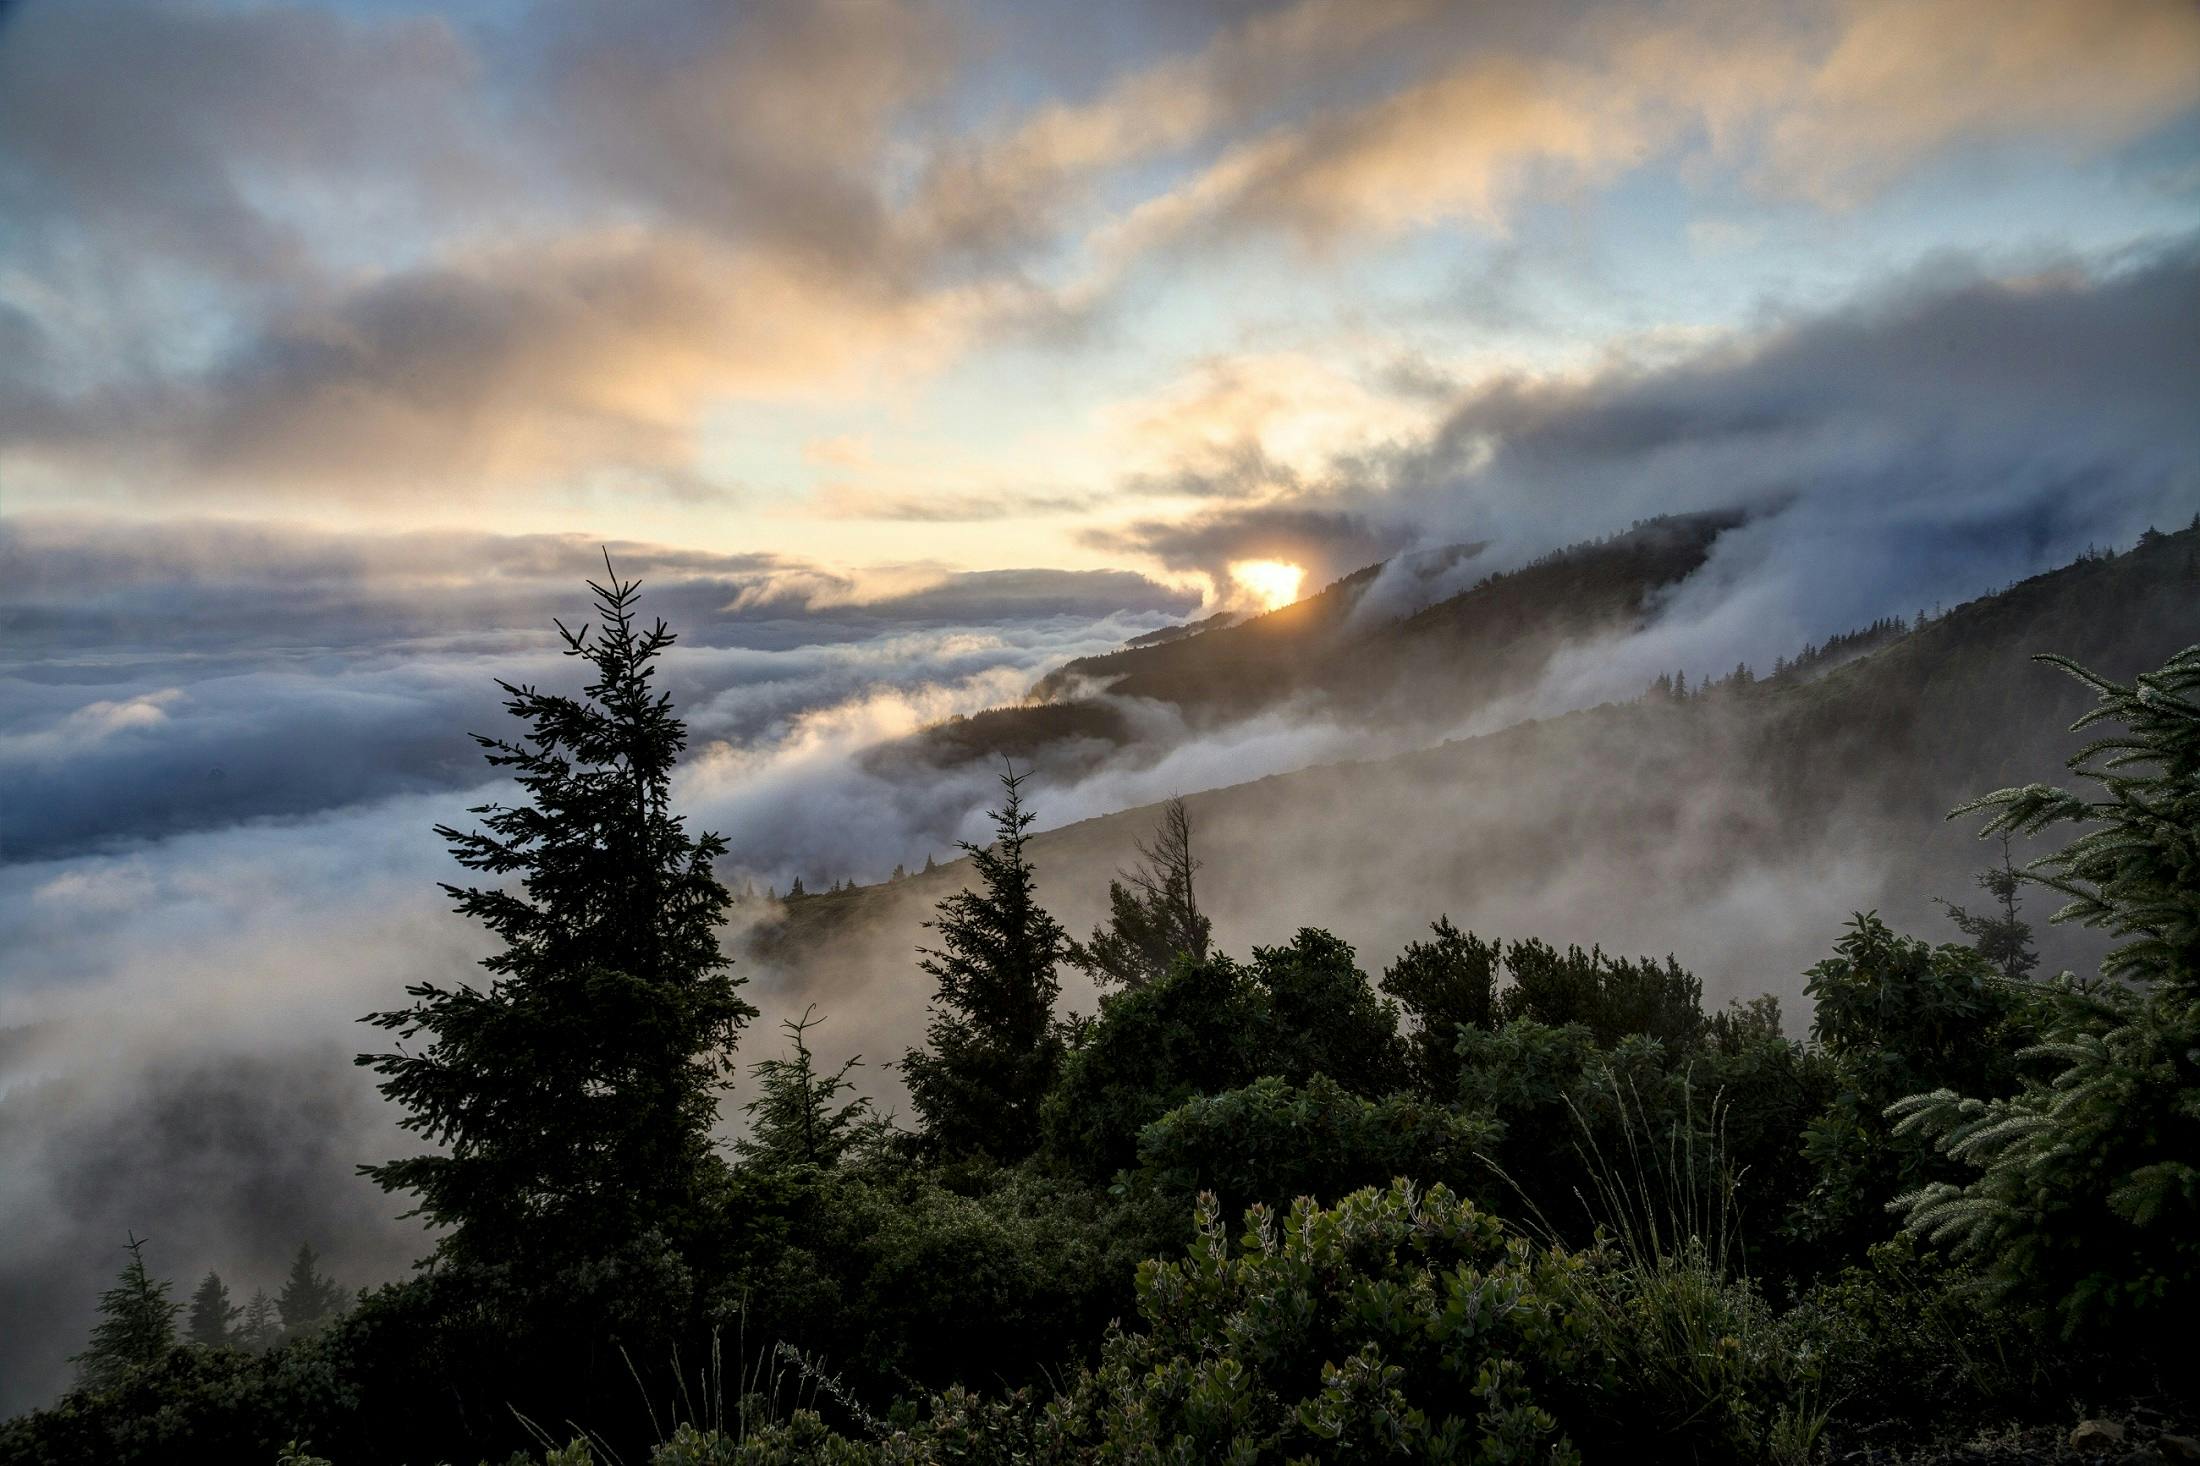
column 1273, row 583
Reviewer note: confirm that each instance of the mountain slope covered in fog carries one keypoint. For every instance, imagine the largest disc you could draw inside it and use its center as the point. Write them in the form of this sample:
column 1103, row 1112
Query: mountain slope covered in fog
column 1737, row 827
column 1421, row 640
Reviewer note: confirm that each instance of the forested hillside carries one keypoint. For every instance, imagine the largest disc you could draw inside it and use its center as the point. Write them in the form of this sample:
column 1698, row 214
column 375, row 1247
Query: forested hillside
column 1806, row 786
column 1419, row 641
column 1181, row 1191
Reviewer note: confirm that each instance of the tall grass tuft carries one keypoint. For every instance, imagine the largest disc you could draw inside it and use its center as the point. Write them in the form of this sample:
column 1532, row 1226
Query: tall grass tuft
column 1699, row 1354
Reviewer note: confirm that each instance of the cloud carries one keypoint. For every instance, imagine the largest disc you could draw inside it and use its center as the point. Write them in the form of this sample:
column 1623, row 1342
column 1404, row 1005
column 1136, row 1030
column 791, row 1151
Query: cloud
column 403, row 258
column 1325, row 542
column 1832, row 107
column 1905, row 80
column 255, row 673
column 153, row 132
column 1255, row 425
column 500, row 371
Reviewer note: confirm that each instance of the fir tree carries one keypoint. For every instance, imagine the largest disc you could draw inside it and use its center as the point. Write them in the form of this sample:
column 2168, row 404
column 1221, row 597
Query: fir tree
column 309, row 1299
column 213, row 1316
column 137, row 1324
column 930, row 865
column 995, row 1045
column 798, row 1117
column 796, row 889
column 2004, row 939
column 574, row 1095
column 899, row 874
column 1154, row 916
column 2086, row 1195
column 262, row 1327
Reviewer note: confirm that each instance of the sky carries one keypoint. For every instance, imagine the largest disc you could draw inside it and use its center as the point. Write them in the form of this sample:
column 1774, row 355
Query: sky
column 895, row 290
column 906, row 351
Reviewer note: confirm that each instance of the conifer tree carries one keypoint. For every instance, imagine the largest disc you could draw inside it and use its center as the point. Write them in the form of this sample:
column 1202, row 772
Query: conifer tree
column 796, row 889
column 137, row 1324
column 994, row 1042
column 930, row 865
column 309, row 1298
column 2086, row 1195
column 798, row 1117
column 2004, row 939
column 261, row 1327
column 899, row 874
column 1154, row 916
column 574, row 1094
column 213, row 1317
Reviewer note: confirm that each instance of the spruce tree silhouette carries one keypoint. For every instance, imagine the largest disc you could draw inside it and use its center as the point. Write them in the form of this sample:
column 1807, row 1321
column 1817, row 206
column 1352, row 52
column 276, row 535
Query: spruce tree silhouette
column 309, row 1297
column 137, row 1324
column 213, row 1316
column 574, row 1094
column 995, row 1045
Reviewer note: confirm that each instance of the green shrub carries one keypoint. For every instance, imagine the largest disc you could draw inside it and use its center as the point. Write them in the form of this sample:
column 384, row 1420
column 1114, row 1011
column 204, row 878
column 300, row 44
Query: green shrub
column 1896, row 1015
column 1273, row 1142
column 1396, row 1324
column 1195, row 1031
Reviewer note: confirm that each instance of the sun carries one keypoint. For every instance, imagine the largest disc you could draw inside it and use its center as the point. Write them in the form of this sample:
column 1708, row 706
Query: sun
column 1273, row 583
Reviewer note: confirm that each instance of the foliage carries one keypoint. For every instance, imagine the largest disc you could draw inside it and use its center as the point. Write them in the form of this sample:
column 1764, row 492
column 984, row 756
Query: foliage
column 1897, row 1015
column 995, row 1045
column 1197, row 1030
column 1700, row 1366
column 213, row 1317
column 1272, row 1142
column 1611, row 996
column 1396, row 1324
column 2136, row 873
column 1293, row 1012
column 1443, row 985
column 909, row 1286
column 261, row 1326
column 2085, row 1202
column 1153, row 914
column 2003, row 938
column 573, row 1097
column 137, row 1324
column 308, row 1299
column 1900, row 1336
column 1323, row 1016
column 797, row 1118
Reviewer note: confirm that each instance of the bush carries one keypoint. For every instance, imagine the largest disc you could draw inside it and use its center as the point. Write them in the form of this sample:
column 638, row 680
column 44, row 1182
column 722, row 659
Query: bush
column 1195, row 1031
column 1272, row 1142
column 1896, row 1015
column 1395, row 1324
